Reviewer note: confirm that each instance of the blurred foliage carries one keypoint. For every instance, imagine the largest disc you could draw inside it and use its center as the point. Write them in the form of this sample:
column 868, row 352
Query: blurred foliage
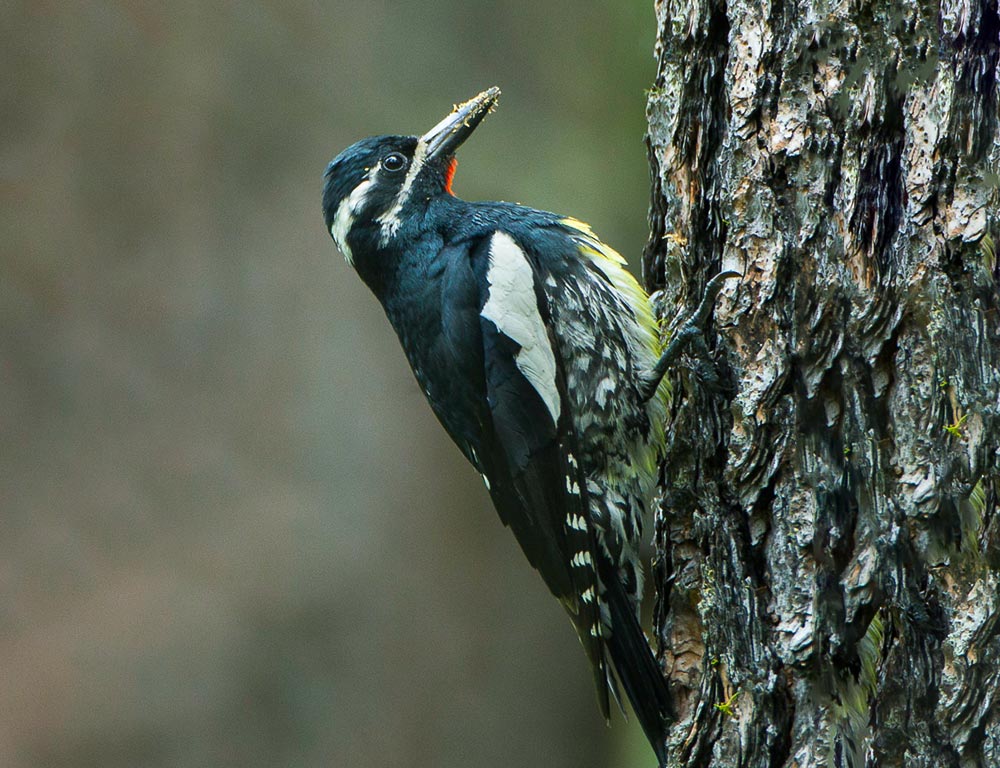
column 232, row 533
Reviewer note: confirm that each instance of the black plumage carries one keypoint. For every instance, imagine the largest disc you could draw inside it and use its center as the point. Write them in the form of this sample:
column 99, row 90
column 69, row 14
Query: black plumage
column 536, row 352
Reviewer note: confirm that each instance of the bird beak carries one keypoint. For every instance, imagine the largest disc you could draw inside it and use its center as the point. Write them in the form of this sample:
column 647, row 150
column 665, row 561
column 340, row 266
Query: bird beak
column 447, row 136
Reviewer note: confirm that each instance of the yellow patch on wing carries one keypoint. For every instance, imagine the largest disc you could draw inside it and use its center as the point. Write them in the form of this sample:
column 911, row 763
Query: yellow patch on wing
column 645, row 332
column 613, row 264
column 606, row 250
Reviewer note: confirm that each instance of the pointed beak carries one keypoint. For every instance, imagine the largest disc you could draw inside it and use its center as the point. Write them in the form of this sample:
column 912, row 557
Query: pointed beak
column 447, row 136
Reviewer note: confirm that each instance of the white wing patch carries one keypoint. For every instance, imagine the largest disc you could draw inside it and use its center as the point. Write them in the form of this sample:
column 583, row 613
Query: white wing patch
column 513, row 308
column 343, row 219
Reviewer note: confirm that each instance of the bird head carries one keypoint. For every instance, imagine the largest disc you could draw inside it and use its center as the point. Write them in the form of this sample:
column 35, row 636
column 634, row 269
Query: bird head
column 377, row 184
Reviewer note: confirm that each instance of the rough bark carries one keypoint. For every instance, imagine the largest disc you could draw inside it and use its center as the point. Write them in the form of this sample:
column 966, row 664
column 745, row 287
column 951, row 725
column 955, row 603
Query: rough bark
column 828, row 544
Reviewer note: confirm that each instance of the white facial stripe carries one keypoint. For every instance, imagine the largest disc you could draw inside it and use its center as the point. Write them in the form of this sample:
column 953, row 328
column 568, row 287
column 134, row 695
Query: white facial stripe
column 343, row 219
column 512, row 308
column 390, row 220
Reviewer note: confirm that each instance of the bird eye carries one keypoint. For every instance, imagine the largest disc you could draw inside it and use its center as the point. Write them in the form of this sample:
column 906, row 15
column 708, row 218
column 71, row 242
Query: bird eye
column 394, row 162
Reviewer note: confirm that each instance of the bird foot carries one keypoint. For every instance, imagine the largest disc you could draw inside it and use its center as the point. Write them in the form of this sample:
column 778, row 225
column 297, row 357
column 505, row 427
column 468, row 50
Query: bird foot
column 691, row 331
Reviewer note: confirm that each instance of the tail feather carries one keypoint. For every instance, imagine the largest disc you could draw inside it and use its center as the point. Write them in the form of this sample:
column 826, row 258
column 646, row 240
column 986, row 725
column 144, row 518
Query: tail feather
column 637, row 669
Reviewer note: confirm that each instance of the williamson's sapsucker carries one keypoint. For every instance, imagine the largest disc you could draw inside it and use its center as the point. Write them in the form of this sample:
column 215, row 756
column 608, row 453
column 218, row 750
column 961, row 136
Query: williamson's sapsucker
column 541, row 356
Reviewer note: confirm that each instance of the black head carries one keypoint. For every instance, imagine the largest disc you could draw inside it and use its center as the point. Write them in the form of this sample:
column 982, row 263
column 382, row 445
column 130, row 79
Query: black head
column 373, row 185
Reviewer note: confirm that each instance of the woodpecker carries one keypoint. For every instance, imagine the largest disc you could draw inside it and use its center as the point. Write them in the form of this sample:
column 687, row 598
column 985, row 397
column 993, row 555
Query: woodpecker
column 540, row 355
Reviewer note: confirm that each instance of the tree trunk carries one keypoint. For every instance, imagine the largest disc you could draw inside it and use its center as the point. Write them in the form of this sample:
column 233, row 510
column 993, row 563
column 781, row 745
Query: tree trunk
column 828, row 544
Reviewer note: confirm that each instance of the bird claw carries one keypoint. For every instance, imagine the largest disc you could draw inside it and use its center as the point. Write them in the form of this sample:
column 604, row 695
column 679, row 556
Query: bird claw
column 690, row 331
column 712, row 291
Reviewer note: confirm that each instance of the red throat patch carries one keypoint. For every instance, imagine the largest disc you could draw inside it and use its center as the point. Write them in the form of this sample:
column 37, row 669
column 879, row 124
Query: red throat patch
column 449, row 175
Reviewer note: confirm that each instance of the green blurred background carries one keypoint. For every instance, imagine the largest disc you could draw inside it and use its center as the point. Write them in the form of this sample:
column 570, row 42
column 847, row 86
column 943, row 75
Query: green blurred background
column 231, row 533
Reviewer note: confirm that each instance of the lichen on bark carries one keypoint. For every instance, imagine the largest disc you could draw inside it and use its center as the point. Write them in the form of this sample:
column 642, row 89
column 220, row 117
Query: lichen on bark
column 828, row 544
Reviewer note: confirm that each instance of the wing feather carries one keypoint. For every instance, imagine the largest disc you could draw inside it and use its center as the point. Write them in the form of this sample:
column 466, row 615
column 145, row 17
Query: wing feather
column 536, row 480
